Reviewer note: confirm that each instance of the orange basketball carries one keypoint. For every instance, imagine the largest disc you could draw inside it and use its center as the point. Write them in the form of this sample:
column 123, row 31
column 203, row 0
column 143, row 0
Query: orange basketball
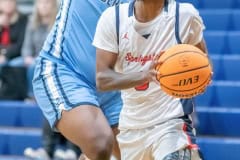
column 185, row 71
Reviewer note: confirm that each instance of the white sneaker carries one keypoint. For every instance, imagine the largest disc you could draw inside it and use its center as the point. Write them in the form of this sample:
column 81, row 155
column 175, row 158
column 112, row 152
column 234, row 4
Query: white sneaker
column 69, row 154
column 59, row 154
column 39, row 154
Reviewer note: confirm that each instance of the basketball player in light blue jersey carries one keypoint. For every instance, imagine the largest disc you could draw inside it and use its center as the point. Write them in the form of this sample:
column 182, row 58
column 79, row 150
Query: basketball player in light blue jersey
column 64, row 81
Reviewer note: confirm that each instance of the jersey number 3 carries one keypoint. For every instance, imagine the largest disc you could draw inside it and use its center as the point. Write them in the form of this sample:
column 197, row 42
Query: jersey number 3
column 142, row 87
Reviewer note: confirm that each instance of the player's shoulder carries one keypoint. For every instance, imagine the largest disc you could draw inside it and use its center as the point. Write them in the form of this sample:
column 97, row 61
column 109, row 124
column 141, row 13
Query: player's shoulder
column 185, row 9
column 110, row 11
column 188, row 9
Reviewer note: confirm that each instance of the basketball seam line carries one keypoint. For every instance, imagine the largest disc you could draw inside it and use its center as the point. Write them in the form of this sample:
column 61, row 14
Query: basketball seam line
column 181, row 53
column 172, row 74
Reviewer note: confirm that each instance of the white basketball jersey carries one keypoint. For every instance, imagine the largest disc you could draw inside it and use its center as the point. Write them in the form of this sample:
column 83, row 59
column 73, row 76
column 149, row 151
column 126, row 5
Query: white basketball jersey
column 147, row 105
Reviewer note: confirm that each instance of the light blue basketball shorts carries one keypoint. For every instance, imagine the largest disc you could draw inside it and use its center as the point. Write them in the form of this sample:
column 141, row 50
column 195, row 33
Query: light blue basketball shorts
column 57, row 88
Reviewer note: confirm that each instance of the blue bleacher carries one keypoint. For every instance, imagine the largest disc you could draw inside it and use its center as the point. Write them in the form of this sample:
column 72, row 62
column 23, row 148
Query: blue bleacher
column 217, row 19
column 31, row 116
column 3, row 144
column 223, row 42
column 14, row 141
column 196, row 3
column 230, row 66
column 8, row 116
column 220, row 148
column 228, row 94
column 17, row 113
column 233, row 41
column 205, row 99
column 221, row 20
column 235, row 19
column 216, row 4
column 221, row 94
column 224, row 67
column 19, row 141
column 218, row 121
column 237, row 3
column 216, row 42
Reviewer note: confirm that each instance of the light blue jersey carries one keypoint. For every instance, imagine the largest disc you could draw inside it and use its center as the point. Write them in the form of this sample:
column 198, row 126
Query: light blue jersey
column 64, row 76
column 71, row 38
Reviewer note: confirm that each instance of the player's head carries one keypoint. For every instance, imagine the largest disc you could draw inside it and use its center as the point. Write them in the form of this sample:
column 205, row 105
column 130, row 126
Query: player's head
column 8, row 10
column 45, row 9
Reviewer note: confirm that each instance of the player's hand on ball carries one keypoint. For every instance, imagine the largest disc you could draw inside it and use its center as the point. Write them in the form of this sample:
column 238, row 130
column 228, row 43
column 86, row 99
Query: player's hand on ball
column 208, row 83
column 153, row 73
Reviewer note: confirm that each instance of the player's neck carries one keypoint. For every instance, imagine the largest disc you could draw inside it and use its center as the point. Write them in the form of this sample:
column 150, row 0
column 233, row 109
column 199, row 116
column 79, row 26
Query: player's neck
column 147, row 10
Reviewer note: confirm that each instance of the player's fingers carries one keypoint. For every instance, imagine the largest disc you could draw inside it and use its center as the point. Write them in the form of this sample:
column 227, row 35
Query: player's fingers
column 157, row 57
column 157, row 77
column 157, row 65
column 161, row 53
column 155, row 72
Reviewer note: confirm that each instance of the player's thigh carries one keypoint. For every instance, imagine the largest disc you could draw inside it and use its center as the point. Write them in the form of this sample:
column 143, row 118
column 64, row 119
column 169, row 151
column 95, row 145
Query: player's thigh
column 184, row 154
column 87, row 127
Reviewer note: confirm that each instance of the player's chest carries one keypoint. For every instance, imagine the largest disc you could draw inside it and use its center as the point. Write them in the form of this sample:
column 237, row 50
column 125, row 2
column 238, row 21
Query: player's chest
column 137, row 49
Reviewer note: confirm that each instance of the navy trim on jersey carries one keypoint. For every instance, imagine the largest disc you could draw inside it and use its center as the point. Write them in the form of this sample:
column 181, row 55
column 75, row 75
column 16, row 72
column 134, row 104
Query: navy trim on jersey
column 146, row 35
column 166, row 5
column 117, row 22
column 131, row 8
column 188, row 105
column 47, row 91
column 189, row 128
column 177, row 33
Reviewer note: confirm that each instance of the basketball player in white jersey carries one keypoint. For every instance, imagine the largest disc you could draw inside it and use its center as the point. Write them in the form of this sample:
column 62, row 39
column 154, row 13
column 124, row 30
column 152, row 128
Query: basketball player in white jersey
column 153, row 125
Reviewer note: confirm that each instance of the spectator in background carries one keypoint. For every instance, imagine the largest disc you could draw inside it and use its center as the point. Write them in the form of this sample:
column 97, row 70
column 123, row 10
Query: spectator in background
column 39, row 25
column 12, row 30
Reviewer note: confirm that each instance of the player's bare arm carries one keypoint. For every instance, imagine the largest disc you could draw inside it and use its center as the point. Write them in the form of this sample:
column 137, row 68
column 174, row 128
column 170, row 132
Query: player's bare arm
column 202, row 45
column 108, row 79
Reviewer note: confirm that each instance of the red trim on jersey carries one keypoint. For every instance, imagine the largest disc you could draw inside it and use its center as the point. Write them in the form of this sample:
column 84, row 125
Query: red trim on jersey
column 125, row 36
column 190, row 144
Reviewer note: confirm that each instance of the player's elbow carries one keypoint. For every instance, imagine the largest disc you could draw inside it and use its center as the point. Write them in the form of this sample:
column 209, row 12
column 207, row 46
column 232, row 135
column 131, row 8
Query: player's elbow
column 101, row 82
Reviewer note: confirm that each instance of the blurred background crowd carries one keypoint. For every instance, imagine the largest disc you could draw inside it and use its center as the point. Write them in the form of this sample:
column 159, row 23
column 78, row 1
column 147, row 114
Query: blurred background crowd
column 24, row 25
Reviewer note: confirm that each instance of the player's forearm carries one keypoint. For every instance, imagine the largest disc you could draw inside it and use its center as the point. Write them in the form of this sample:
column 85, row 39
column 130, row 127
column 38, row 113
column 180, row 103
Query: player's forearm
column 202, row 46
column 110, row 80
